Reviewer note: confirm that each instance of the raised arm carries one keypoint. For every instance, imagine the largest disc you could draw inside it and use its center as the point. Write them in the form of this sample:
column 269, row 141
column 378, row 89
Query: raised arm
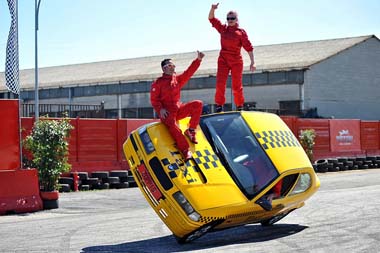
column 188, row 73
column 211, row 14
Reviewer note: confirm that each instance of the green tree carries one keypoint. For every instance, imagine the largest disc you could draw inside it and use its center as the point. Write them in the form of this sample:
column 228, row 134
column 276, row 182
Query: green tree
column 48, row 143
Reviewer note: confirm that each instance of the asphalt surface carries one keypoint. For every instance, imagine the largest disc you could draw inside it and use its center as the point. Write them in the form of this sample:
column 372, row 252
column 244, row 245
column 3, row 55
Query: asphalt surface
column 343, row 216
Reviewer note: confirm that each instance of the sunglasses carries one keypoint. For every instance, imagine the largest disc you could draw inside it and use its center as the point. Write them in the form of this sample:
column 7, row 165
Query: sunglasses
column 231, row 18
column 169, row 65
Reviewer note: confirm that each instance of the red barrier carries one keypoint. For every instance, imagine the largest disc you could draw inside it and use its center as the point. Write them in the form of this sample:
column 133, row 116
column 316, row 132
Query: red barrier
column 9, row 135
column 291, row 122
column 344, row 135
column 322, row 130
column 369, row 134
column 19, row 192
column 96, row 144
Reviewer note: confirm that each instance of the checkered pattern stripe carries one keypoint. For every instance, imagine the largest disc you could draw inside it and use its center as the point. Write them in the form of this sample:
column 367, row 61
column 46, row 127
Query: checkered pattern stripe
column 12, row 59
column 201, row 159
column 277, row 139
column 205, row 159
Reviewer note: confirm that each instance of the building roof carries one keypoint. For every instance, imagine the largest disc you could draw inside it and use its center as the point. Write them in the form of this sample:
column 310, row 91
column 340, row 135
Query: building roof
column 277, row 57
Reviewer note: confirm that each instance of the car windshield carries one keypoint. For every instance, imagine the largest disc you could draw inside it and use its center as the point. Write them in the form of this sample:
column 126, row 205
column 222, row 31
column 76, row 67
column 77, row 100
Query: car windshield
column 239, row 151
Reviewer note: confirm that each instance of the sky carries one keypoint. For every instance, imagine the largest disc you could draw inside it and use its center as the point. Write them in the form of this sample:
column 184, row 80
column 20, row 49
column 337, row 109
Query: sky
column 83, row 31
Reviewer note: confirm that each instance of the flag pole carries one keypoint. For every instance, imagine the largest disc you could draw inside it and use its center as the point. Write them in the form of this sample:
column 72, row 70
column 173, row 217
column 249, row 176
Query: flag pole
column 36, row 102
column 12, row 75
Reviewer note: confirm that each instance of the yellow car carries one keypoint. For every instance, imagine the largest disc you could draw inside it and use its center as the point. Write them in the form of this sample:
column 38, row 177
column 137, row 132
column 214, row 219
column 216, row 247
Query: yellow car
column 247, row 167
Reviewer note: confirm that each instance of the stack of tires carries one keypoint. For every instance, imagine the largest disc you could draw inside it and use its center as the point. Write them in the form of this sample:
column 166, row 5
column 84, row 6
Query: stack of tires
column 98, row 180
column 346, row 163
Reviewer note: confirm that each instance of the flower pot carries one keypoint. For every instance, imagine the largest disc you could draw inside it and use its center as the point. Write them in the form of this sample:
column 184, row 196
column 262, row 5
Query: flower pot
column 50, row 199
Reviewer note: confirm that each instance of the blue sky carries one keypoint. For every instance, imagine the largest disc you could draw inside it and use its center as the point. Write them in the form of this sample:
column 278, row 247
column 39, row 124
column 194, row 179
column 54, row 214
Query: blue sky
column 79, row 31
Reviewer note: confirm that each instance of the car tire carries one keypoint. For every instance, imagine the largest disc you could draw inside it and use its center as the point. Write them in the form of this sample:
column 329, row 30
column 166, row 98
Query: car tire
column 274, row 219
column 198, row 232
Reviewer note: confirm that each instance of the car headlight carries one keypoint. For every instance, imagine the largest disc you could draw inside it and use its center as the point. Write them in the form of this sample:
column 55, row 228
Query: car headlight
column 186, row 206
column 303, row 183
column 147, row 142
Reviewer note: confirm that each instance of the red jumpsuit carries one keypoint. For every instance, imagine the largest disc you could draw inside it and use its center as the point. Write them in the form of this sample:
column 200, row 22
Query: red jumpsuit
column 166, row 93
column 232, row 38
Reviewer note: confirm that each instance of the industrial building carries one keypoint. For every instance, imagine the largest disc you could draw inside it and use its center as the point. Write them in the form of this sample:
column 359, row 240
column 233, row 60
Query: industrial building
column 335, row 78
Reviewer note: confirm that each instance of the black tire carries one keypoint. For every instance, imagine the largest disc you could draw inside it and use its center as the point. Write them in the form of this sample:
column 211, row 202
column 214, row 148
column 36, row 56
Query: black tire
column 111, row 180
column 340, row 165
column 82, row 175
column 64, row 188
column 371, row 158
column 350, row 164
column 84, row 187
column 274, row 219
column 123, row 179
column 342, row 159
column 332, row 161
column 119, row 173
column 361, row 159
column 321, row 165
column 67, row 180
column 119, row 185
column 101, row 186
column 198, row 232
column 90, row 181
column 100, row 174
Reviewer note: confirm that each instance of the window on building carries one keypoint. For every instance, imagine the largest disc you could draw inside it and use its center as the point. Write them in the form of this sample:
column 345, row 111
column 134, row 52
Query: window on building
column 111, row 114
column 292, row 107
column 146, row 113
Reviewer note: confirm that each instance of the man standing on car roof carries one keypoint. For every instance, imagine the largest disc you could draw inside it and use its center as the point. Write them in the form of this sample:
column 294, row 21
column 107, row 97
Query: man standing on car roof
column 165, row 97
column 232, row 39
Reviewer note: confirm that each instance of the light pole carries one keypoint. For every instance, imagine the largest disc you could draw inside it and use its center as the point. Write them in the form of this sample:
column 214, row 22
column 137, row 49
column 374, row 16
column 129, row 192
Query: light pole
column 36, row 106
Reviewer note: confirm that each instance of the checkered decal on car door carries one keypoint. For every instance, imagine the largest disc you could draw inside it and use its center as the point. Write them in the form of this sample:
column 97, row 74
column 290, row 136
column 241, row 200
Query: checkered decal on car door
column 205, row 159
column 277, row 139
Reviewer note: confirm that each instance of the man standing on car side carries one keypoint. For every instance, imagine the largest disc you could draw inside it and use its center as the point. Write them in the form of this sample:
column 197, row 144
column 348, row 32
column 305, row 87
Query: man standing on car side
column 165, row 95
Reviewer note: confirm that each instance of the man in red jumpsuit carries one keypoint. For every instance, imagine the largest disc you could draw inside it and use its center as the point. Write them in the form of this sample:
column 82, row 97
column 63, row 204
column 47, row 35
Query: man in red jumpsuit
column 165, row 97
column 232, row 39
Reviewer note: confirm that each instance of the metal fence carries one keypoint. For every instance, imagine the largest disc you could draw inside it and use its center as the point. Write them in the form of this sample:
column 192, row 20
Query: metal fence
column 59, row 110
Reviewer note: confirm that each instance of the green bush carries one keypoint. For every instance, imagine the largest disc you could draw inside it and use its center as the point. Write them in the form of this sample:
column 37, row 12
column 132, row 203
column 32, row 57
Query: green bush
column 307, row 141
column 48, row 143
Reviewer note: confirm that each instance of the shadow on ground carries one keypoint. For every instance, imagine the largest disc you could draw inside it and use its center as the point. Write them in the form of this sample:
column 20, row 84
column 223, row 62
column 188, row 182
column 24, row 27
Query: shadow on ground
column 238, row 235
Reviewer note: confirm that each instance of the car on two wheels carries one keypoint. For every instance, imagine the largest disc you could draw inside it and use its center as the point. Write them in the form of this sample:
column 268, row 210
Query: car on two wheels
column 248, row 167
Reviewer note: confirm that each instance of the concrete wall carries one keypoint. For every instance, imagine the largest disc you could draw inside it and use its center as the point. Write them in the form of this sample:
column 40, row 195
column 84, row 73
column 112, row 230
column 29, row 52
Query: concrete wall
column 346, row 85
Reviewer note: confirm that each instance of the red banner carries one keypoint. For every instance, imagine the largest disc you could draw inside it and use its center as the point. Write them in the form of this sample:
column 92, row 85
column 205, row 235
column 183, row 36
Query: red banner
column 345, row 135
column 9, row 135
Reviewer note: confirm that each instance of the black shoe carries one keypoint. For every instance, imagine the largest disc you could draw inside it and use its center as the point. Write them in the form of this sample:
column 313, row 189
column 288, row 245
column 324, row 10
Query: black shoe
column 219, row 108
column 265, row 204
column 240, row 108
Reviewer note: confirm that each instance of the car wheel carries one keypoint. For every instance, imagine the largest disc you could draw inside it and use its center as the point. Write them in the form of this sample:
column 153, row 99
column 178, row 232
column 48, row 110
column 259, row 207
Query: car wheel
column 198, row 232
column 274, row 219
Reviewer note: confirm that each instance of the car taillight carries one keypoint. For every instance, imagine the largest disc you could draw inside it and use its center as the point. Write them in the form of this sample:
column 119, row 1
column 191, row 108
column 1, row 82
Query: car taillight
column 147, row 142
column 149, row 183
column 303, row 183
column 186, row 206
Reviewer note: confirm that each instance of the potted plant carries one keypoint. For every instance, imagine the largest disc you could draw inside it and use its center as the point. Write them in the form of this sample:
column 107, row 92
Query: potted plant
column 307, row 141
column 48, row 144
